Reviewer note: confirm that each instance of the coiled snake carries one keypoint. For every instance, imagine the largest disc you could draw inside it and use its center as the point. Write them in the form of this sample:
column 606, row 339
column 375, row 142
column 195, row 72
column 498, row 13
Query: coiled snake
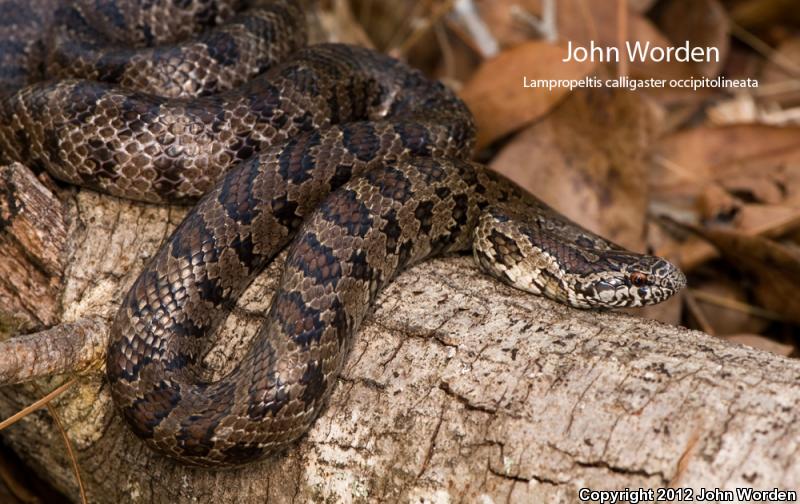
column 350, row 158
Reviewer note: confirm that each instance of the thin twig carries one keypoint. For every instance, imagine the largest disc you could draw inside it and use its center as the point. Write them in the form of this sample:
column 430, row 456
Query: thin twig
column 73, row 459
column 421, row 30
column 764, row 49
column 41, row 403
column 448, row 59
column 776, row 88
column 546, row 26
column 476, row 27
column 404, row 29
column 733, row 304
column 699, row 314
column 680, row 170
column 44, row 402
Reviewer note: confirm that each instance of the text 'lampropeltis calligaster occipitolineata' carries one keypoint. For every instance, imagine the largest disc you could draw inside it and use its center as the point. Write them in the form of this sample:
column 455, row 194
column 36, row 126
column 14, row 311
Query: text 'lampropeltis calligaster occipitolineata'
column 355, row 161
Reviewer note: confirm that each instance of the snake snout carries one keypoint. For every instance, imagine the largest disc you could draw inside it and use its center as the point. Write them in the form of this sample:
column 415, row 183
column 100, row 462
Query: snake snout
column 654, row 281
column 668, row 276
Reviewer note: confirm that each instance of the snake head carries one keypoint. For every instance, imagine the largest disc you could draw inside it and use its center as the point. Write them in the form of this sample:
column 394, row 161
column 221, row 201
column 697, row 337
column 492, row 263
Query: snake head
column 635, row 280
column 571, row 265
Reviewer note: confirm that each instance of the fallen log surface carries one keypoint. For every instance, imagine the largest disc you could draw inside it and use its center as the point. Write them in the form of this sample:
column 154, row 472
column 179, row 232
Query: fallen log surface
column 458, row 389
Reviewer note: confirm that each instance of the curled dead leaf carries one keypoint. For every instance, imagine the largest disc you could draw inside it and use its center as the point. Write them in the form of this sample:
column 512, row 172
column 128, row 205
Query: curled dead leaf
column 582, row 21
column 724, row 303
column 772, row 267
column 498, row 98
column 685, row 162
column 703, row 23
column 753, row 220
column 587, row 160
column 754, row 14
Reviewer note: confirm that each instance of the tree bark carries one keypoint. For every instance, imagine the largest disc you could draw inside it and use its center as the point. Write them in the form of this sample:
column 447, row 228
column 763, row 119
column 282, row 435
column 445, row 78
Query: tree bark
column 32, row 254
column 458, row 389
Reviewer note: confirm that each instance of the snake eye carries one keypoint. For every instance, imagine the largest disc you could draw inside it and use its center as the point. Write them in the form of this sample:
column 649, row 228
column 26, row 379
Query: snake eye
column 638, row 279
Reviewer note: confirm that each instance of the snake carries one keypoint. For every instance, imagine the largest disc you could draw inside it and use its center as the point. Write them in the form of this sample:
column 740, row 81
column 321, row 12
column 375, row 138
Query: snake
column 356, row 163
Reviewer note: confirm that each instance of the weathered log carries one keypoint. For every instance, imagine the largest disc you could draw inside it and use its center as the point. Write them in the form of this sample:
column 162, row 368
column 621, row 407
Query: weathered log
column 32, row 240
column 458, row 389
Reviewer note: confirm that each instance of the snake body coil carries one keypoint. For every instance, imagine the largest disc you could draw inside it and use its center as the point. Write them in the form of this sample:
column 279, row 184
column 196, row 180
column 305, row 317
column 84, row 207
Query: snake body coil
column 350, row 158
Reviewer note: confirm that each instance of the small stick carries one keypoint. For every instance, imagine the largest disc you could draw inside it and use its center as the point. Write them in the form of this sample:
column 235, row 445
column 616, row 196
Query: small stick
column 446, row 50
column 73, row 459
column 735, row 305
column 764, row 49
column 546, row 27
column 41, row 403
column 699, row 314
column 477, row 29
column 423, row 28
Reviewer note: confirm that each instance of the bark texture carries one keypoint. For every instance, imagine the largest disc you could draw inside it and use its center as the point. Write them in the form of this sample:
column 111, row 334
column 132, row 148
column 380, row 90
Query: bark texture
column 458, row 389
column 32, row 256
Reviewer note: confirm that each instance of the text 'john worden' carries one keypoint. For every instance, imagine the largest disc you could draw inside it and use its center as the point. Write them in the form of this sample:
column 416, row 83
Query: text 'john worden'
column 641, row 52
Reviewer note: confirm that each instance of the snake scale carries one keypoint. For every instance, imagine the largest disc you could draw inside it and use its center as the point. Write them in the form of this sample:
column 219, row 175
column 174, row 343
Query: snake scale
column 354, row 161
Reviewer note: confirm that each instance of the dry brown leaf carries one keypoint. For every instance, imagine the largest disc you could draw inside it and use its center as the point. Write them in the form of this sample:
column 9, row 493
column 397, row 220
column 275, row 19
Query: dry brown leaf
column 692, row 253
column 755, row 14
column 774, row 72
column 720, row 299
column 761, row 187
column 703, row 23
column 581, row 21
column 773, row 269
column 778, row 84
column 766, row 220
column 688, row 160
column 497, row 97
column 770, row 220
column 640, row 6
column 715, row 203
column 586, row 160
column 762, row 343
column 508, row 29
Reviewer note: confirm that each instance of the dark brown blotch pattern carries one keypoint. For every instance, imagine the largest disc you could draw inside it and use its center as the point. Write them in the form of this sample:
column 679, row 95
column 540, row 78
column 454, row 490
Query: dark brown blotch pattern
column 329, row 117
